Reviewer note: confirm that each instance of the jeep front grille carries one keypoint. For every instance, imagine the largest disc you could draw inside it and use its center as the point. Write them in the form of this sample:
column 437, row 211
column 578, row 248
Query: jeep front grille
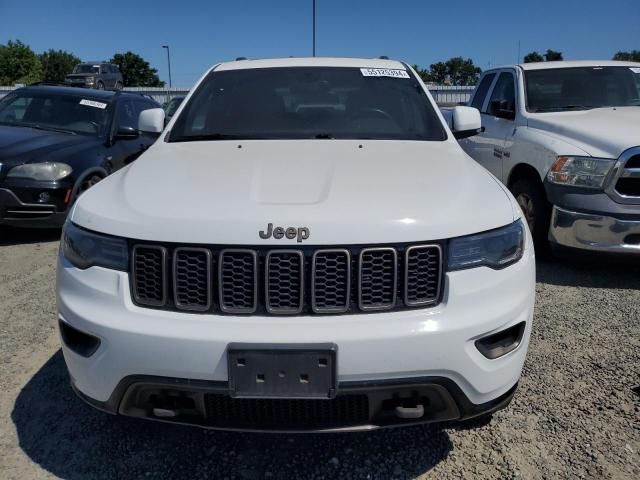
column 284, row 281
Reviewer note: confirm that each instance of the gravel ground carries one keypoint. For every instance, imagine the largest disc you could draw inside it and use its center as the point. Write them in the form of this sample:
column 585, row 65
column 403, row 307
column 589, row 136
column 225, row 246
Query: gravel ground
column 575, row 415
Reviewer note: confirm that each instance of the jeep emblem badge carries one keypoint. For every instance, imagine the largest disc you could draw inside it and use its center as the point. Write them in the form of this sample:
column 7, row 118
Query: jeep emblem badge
column 300, row 233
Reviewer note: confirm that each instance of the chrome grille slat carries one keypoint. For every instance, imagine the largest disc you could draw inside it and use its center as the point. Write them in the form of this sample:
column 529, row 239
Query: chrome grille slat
column 624, row 187
column 331, row 281
column 149, row 264
column 422, row 272
column 192, row 289
column 238, row 280
column 284, row 282
column 378, row 278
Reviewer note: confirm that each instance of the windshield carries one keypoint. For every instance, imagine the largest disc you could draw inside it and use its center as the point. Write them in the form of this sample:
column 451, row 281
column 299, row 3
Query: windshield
column 50, row 111
column 308, row 102
column 582, row 88
column 87, row 69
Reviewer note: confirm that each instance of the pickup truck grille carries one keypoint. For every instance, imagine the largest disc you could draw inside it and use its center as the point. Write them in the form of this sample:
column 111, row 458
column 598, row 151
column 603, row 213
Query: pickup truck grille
column 628, row 182
column 284, row 281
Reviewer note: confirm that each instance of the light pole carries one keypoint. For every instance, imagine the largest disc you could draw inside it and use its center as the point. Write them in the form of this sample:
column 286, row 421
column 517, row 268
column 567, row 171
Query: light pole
column 168, row 62
column 314, row 28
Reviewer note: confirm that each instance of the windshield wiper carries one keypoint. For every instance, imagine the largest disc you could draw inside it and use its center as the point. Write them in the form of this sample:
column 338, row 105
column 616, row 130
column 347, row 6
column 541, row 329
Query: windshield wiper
column 213, row 136
column 324, row 136
column 35, row 126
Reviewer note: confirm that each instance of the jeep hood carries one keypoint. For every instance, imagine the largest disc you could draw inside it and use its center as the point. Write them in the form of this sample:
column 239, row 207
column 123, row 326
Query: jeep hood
column 601, row 132
column 343, row 191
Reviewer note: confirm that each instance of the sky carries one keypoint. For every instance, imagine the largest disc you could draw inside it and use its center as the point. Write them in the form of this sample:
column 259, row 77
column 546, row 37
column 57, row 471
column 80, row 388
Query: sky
column 202, row 33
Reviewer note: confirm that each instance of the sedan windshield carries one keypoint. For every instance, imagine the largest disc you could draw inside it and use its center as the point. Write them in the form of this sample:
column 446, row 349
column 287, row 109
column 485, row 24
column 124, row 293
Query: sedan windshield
column 308, row 102
column 56, row 112
column 582, row 88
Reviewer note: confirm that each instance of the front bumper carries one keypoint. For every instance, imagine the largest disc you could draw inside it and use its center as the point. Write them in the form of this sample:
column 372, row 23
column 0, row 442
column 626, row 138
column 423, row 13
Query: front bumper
column 413, row 350
column 596, row 232
column 14, row 211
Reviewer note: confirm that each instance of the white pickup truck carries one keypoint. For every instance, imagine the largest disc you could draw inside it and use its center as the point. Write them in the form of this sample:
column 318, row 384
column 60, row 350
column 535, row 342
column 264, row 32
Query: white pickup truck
column 565, row 138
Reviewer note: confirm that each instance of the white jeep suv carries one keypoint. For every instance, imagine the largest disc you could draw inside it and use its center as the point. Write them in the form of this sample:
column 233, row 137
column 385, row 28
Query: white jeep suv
column 306, row 247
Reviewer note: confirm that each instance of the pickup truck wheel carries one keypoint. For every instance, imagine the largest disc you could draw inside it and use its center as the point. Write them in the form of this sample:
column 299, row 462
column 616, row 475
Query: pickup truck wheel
column 536, row 211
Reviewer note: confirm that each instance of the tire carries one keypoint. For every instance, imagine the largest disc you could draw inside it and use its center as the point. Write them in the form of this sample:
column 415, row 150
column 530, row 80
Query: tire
column 537, row 211
column 99, row 85
column 118, row 86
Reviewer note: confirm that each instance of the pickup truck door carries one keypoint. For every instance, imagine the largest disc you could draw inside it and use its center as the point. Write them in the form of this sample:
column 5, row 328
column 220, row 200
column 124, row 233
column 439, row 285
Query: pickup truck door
column 490, row 148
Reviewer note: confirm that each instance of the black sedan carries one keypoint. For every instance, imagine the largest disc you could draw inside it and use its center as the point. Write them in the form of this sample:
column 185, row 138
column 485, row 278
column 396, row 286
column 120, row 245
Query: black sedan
column 56, row 142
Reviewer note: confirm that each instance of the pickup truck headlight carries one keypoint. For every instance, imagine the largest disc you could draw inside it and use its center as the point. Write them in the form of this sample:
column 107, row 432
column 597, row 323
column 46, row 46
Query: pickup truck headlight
column 46, row 171
column 586, row 172
column 495, row 249
column 86, row 249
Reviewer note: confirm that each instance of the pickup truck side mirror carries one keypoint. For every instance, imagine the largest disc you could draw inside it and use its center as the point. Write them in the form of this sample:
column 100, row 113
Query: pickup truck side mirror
column 151, row 121
column 465, row 122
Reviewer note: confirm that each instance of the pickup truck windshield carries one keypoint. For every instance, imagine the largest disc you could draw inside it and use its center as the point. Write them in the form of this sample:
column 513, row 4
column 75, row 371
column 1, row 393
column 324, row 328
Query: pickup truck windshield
column 50, row 111
column 307, row 102
column 582, row 88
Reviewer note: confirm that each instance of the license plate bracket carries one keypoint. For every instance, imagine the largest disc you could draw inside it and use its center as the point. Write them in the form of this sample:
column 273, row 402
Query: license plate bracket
column 282, row 370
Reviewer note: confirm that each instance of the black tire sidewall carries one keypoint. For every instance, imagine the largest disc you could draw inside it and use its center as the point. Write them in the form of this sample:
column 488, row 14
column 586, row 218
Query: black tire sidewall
column 542, row 211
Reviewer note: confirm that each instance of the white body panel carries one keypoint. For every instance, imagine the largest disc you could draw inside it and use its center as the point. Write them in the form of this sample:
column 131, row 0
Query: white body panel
column 215, row 192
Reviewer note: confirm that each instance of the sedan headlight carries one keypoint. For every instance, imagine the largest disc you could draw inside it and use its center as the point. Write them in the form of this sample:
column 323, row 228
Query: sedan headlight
column 47, row 171
column 495, row 249
column 86, row 249
column 586, row 172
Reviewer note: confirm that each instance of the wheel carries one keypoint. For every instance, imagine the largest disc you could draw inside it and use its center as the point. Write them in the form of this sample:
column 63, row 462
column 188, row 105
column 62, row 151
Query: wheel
column 118, row 86
column 88, row 182
column 536, row 211
column 99, row 85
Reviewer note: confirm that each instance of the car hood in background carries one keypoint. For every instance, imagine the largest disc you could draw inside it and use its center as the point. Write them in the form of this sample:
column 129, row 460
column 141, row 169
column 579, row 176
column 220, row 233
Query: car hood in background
column 343, row 191
column 20, row 145
column 601, row 132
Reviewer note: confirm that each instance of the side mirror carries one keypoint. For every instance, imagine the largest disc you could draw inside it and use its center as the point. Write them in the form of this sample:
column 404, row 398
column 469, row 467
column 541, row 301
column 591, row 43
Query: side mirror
column 465, row 122
column 124, row 132
column 151, row 121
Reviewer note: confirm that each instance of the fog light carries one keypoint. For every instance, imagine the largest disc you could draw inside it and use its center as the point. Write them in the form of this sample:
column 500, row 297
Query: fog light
column 501, row 343
column 44, row 197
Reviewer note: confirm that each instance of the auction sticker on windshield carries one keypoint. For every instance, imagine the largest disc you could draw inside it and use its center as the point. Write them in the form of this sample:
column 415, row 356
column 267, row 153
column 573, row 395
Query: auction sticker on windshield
column 384, row 72
column 93, row 103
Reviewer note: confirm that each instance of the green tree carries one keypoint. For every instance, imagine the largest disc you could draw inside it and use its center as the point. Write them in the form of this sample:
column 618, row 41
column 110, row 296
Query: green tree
column 136, row 71
column 423, row 73
column 552, row 55
column 56, row 64
column 632, row 56
column 533, row 57
column 18, row 64
column 455, row 71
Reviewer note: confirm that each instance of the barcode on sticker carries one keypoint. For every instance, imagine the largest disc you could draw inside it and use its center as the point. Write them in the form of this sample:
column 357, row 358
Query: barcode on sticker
column 93, row 103
column 384, row 72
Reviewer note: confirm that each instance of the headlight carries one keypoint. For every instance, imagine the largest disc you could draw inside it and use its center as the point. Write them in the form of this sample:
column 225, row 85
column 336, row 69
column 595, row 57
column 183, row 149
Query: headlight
column 495, row 249
column 48, row 171
column 86, row 249
column 89, row 79
column 586, row 172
